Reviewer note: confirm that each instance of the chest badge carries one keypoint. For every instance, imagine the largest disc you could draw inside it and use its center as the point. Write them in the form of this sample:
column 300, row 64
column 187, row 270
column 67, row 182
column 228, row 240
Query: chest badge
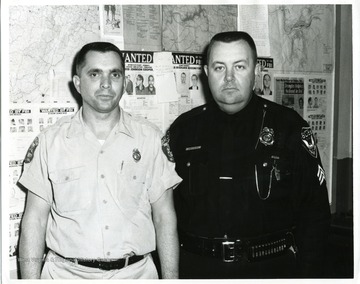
column 267, row 136
column 136, row 155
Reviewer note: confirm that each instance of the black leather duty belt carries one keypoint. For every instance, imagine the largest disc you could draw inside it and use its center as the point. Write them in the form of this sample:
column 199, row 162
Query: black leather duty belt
column 238, row 249
column 105, row 264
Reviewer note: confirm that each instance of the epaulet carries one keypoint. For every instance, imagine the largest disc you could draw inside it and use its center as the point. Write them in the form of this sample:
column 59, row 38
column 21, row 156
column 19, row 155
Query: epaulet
column 143, row 121
column 291, row 116
column 61, row 121
column 64, row 119
column 197, row 111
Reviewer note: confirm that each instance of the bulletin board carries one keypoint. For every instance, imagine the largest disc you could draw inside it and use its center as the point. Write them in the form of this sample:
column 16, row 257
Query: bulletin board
column 166, row 42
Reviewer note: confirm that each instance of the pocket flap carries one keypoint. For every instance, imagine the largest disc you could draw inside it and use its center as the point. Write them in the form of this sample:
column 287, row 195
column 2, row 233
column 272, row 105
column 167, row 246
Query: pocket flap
column 66, row 175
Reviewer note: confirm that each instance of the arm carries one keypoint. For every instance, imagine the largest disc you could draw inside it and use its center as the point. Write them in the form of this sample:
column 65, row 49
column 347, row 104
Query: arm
column 313, row 216
column 32, row 238
column 164, row 218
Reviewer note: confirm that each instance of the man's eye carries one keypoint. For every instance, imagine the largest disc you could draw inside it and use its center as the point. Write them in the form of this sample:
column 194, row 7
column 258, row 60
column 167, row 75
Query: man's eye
column 93, row 75
column 116, row 75
column 219, row 68
column 239, row 67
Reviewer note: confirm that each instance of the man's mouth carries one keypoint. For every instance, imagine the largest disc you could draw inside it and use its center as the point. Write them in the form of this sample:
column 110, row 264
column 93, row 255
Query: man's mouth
column 105, row 96
column 229, row 88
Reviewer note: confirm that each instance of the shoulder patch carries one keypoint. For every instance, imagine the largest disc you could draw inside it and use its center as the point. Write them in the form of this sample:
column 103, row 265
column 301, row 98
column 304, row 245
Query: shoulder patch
column 166, row 147
column 308, row 141
column 30, row 152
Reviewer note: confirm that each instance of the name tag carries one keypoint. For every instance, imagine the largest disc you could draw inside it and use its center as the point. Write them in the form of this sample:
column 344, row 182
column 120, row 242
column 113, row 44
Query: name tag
column 192, row 148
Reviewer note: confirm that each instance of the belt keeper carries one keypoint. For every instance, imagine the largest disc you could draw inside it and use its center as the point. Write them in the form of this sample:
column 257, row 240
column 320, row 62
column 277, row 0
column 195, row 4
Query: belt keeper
column 126, row 261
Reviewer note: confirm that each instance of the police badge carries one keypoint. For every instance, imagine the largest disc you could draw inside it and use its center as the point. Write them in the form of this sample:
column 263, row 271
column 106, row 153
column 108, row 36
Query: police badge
column 309, row 141
column 267, row 136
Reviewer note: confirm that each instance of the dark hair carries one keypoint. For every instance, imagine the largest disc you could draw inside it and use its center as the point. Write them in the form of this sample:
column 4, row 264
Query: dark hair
column 229, row 37
column 141, row 77
column 100, row 46
column 266, row 74
column 150, row 77
column 194, row 75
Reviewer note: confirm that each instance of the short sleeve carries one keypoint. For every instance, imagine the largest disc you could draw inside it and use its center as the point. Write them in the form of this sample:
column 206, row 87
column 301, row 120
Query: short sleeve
column 35, row 173
column 163, row 171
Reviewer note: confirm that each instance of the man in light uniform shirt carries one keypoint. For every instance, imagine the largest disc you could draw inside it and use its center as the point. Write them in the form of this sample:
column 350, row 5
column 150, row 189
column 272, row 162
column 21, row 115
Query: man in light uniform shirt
column 99, row 186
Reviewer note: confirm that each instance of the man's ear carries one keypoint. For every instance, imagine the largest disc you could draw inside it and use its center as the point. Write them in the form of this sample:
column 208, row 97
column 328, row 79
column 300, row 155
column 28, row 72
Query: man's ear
column 258, row 69
column 124, row 87
column 206, row 70
column 257, row 72
column 76, row 81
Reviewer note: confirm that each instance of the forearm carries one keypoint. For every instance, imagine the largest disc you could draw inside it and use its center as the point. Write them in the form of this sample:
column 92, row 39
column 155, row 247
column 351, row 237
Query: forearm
column 168, row 248
column 31, row 250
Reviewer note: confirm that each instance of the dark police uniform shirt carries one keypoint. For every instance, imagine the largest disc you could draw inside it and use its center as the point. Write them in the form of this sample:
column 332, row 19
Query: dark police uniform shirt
column 244, row 175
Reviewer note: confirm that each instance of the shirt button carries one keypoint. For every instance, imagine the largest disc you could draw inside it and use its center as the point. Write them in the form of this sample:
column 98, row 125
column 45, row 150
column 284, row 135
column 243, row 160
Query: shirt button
column 265, row 164
column 188, row 164
column 104, row 201
column 66, row 178
column 101, row 152
column 102, row 176
column 106, row 227
column 108, row 253
column 134, row 177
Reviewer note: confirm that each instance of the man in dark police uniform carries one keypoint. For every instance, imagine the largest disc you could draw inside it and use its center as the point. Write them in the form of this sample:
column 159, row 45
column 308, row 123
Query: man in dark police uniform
column 253, row 202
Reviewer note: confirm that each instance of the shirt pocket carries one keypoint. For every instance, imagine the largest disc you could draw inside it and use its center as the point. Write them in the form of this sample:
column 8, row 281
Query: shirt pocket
column 273, row 178
column 197, row 172
column 69, row 194
column 132, row 189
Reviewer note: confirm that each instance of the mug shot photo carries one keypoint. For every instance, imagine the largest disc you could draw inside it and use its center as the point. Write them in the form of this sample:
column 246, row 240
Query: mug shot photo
column 301, row 102
column 140, row 88
column 194, row 82
column 266, row 91
column 150, row 89
column 310, row 103
column 129, row 85
column 182, row 83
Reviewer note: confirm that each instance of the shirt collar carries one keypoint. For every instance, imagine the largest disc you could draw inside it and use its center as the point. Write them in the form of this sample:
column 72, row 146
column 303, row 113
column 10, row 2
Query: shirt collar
column 246, row 113
column 77, row 125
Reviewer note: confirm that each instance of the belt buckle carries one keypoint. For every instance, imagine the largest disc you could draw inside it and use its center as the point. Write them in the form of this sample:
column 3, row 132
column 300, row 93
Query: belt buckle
column 228, row 251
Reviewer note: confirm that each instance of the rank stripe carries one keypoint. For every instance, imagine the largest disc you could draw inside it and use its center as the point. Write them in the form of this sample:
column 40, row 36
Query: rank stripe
column 321, row 175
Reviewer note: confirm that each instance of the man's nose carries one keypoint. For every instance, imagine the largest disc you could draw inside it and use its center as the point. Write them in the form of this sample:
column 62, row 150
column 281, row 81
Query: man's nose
column 229, row 75
column 105, row 82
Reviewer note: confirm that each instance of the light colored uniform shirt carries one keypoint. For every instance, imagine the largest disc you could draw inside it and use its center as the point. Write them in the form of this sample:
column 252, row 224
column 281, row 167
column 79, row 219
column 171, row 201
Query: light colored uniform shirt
column 100, row 195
